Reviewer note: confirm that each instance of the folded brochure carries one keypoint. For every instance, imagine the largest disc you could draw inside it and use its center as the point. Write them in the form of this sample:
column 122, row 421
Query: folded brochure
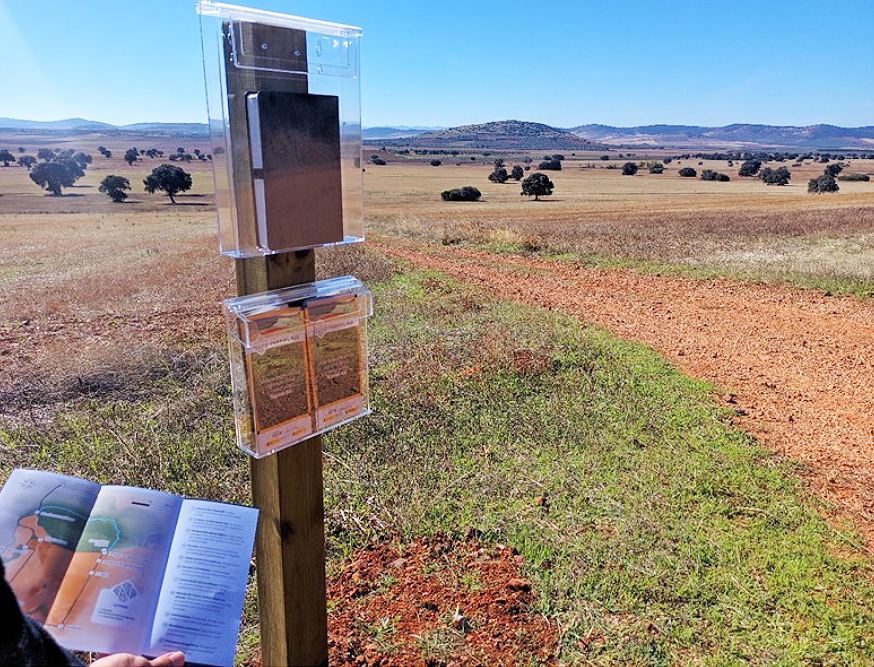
column 124, row 569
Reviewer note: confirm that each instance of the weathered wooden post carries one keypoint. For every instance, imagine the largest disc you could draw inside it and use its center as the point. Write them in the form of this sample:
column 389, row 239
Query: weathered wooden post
column 287, row 488
column 255, row 61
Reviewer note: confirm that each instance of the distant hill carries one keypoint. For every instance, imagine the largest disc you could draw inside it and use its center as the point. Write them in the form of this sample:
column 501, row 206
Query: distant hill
column 731, row 136
column 82, row 125
column 529, row 136
column 68, row 124
column 505, row 134
column 399, row 132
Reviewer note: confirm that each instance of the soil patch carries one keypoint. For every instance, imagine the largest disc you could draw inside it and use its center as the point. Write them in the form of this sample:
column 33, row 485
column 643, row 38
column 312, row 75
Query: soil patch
column 435, row 602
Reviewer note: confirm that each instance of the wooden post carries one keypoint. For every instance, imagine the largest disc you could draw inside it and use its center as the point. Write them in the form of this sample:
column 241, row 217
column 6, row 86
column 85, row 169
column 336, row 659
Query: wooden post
column 287, row 486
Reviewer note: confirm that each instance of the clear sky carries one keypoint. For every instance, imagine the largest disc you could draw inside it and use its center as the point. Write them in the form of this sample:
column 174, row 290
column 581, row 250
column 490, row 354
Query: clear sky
column 455, row 62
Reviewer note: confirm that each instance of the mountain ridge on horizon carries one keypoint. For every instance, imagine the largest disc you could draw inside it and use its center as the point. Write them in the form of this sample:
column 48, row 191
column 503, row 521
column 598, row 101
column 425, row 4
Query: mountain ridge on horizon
column 533, row 135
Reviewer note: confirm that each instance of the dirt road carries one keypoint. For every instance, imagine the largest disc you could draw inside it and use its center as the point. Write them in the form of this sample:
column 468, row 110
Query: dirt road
column 797, row 365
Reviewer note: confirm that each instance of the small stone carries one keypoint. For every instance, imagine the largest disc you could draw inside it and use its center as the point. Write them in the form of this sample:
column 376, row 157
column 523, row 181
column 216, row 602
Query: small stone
column 519, row 584
column 460, row 623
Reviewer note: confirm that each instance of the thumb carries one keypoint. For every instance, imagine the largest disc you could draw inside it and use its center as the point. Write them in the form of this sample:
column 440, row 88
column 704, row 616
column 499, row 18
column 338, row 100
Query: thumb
column 172, row 659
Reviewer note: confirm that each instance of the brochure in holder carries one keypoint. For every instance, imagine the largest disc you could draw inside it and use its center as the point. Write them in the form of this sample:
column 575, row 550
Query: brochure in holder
column 283, row 99
column 298, row 361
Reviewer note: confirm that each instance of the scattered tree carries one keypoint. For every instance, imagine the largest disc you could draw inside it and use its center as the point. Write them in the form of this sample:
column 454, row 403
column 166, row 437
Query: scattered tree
column 467, row 193
column 21, row 149
column 749, row 168
column 168, row 178
column 436, row 163
column 845, row 177
column 517, row 173
column 6, row 157
column 629, row 169
column 46, row 154
column 537, row 185
column 825, row 183
column 779, row 176
column 834, row 169
column 56, row 175
column 27, row 161
column 688, row 172
column 115, row 187
column 656, row 168
column 374, row 159
column 131, row 155
column 551, row 165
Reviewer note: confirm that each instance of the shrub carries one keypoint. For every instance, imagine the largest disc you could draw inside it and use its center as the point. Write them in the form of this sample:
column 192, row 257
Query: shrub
column 629, row 169
column 466, row 193
column 553, row 165
column 749, row 168
column 845, row 177
column 499, row 175
column 114, row 187
column 779, row 176
column 657, row 169
column 834, row 169
column 377, row 160
column 825, row 183
column 436, row 163
column 710, row 175
column 688, row 172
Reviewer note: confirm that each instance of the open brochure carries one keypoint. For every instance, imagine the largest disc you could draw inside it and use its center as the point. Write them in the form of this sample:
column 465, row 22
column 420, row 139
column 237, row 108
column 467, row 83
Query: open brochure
column 123, row 569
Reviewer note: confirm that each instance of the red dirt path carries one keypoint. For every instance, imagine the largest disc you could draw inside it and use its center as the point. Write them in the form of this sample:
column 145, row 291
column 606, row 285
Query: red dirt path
column 796, row 364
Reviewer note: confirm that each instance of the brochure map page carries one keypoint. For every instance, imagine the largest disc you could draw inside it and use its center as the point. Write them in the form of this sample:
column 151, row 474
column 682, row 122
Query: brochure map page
column 123, row 569
column 40, row 524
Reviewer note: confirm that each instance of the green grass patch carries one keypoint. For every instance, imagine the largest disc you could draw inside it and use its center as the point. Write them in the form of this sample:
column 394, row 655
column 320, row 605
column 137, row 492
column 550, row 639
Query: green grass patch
column 667, row 536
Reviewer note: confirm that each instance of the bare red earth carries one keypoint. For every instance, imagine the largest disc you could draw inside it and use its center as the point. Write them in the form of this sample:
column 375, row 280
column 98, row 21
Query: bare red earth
column 798, row 365
column 435, row 603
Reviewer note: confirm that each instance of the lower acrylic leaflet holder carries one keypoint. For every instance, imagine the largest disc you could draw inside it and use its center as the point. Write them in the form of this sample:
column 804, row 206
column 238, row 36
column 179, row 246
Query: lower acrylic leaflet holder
column 298, row 361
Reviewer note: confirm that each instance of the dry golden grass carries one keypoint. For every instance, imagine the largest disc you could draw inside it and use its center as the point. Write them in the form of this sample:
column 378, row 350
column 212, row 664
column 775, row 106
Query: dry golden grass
column 739, row 227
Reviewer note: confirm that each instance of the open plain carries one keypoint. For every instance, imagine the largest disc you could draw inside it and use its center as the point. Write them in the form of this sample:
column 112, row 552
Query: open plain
column 111, row 337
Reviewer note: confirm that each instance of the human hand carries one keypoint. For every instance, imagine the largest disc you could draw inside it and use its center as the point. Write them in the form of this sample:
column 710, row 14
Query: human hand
column 172, row 659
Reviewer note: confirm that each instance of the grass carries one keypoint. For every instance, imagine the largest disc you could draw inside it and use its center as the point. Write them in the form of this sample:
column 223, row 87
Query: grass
column 668, row 537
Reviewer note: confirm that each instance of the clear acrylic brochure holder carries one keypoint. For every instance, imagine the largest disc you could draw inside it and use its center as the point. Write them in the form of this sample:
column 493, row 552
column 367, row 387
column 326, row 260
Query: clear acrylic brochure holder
column 298, row 361
column 283, row 99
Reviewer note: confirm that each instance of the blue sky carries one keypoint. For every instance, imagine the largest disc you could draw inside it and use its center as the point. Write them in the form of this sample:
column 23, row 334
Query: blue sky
column 453, row 62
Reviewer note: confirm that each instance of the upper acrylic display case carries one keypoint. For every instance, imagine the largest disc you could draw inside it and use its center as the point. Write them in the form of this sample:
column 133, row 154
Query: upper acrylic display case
column 283, row 99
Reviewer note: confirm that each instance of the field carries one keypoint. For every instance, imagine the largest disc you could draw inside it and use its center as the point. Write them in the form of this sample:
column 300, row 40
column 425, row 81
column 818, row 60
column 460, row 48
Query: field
column 742, row 228
column 520, row 432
